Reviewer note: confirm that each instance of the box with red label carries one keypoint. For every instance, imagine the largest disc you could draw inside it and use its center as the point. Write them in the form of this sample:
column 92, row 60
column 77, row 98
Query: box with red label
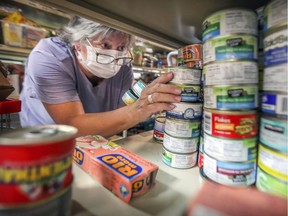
column 124, row 173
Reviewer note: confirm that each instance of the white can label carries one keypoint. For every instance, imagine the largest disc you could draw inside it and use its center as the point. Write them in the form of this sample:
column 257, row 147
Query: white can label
column 180, row 145
column 275, row 78
column 186, row 76
column 227, row 173
column 231, row 73
column 190, row 111
column 230, row 47
column 184, row 129
column 230, row 149
column 275, row 13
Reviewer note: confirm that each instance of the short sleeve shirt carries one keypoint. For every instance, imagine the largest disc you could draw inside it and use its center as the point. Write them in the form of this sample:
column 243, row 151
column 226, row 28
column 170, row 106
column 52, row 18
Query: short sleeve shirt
column 53, row 76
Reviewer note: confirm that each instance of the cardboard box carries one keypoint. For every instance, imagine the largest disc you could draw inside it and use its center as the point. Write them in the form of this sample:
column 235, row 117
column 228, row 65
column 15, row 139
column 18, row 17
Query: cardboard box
column 124, row 173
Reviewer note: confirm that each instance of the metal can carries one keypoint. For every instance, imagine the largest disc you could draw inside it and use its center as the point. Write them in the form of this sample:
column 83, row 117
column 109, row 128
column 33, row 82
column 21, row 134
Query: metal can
column 195, row 64
column 231, row 72
column 189, row 93
column 275, row 78
column 190, row 111
column 180, row 145
column 236, row 97
column 275, row 14
column 182, row 128
column 234, row 150
column 35, row 163
column 57, row 204
column 200, row 160
column 233, row 47
column 269, row 184
column 177, row 160
column 230, row 173
column 273, row 133
column 185, row 75
column 138, row 87
column 230, row 21
column 275, row 47
column 192, row 52
column 159, row 126
column 273, row 162
column 129, row 97
column 275, row 103
column 231, row 124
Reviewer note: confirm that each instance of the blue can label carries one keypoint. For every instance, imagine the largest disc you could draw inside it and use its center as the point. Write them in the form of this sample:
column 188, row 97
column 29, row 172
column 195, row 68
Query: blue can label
column 274, row 104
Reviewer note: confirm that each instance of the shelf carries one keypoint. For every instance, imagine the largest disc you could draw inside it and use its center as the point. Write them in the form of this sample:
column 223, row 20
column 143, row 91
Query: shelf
column 173, row 23
column 13, row 53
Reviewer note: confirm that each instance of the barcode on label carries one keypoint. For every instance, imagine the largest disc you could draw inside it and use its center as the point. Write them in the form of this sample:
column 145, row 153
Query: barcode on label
column 282, row 103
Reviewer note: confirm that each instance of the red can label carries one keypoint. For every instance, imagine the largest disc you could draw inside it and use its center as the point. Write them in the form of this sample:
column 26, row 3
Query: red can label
column 200, row 159
column 231, row 125
column 192, row 52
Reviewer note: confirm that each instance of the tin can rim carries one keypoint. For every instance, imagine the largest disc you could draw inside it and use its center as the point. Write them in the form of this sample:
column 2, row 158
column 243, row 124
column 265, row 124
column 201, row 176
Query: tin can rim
column 231, row 112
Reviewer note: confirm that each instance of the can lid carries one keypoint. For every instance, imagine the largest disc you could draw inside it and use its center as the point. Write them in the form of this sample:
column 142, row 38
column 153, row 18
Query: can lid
column 37, row 134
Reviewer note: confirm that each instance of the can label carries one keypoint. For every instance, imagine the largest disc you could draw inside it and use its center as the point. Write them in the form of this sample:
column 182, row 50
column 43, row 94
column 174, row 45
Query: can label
column 275, row 78
column 190, row 111
column 188, row 76
column 231, row 125
column 192, row 52
column 138, row 87
column 230, row 47
column 180, row 145
column 274, row 104
column 232, row 21
column 272, row 129
column 189, row 93
column 195, row 64
column 228, row 173
column 230, row 149
column 200, row 159
column 129, row 98
column 159, row 126
column 269, row 184
column 275, row 14
column 181, row 161
column 32, row 166
column 182, row 128
column 275, row 48
column 231, row 97
column 227, row 73
column 273, row 162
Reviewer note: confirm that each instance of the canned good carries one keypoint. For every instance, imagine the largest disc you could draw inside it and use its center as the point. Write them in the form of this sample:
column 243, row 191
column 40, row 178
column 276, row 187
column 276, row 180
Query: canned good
column 177, row 160
column 159, row 126
column 234, row 97
column 230, row 173
column 57, row 204
column 35, row 163
column 275, row 14
column 230, row 21
column 233, row 47
column 189, row 93
column 231, row 72
column 190, row 111
column 273, row 133
column 275, row 78
column 192, row 52
column 129, row 97
column 275, row 47
column 234, row 150
column 273, row 162
column 182, row 128
column 138, row 87
column 231, row 124
column 185, row 75
column 196, row 64
column 269, row 184
column 180, row 145
column 275, row 103
column 200, row 159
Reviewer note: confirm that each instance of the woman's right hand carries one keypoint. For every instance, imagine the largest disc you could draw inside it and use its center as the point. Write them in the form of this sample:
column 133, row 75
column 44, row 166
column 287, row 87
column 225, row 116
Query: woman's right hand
column 156, row 97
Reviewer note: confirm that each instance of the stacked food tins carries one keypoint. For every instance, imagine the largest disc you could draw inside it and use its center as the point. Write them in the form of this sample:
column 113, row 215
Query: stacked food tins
column 183, row 123
column 230, row 96
column 272, row 168
column 36, row 170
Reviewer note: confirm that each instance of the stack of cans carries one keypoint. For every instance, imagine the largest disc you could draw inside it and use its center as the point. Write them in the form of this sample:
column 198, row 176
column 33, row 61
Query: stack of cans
column 230, row 97
column 272, row 171
column 183, row 123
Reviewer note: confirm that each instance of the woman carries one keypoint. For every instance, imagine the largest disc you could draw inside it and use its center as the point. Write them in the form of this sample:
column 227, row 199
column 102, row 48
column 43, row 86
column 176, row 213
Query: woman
column 79, row 78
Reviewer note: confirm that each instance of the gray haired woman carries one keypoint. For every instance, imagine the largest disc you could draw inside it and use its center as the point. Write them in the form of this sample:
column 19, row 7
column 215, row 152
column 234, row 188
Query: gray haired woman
column 79, row 77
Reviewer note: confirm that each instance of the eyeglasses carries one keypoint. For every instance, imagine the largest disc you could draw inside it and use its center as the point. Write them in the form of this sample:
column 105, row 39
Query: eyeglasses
column 109, row 59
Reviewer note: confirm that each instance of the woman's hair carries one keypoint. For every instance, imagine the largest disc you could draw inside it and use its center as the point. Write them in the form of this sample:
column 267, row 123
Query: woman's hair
column 79, row 28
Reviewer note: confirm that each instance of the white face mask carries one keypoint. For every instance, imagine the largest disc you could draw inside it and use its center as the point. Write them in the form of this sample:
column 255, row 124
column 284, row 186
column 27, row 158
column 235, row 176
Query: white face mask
column 101, row 70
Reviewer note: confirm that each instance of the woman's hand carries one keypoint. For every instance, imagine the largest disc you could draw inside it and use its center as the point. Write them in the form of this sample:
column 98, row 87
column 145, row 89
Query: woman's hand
column 156, row 97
